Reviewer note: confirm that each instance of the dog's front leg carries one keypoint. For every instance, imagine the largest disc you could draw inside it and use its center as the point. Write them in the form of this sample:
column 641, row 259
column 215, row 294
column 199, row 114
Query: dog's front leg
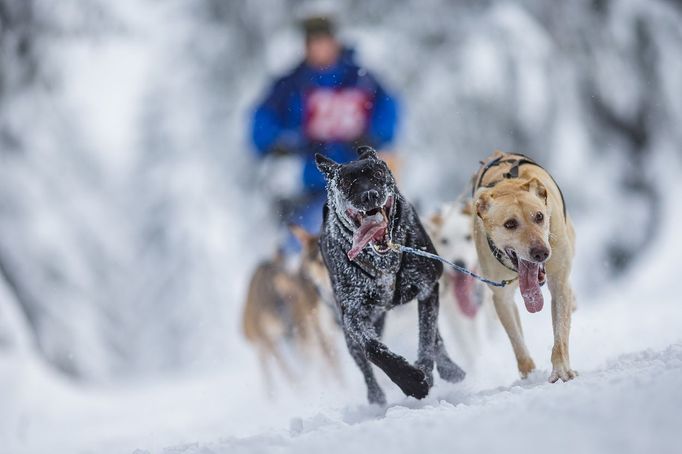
column 562, row 307
column 430, row 351
column 375, row 395
column 358, row 325
column 509, row 316
column 428, row 326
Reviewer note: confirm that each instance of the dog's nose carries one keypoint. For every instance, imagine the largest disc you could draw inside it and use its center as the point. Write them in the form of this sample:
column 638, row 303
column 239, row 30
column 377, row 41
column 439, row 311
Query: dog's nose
column 539, row 253
column 371, row 196
column 460, row 263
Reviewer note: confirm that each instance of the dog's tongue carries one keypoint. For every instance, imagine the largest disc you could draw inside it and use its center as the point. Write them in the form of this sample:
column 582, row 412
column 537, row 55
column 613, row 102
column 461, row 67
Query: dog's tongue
column 371, row 227
column 463, row 287
column 530, row 285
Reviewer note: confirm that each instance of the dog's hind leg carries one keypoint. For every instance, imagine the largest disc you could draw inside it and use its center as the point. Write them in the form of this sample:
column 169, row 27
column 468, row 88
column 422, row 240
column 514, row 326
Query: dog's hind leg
column 326, row 345
column 447, row 369
column 375, row 394
column 276, row 354
column 509, row 316
column 359, row 326
column 264, row 359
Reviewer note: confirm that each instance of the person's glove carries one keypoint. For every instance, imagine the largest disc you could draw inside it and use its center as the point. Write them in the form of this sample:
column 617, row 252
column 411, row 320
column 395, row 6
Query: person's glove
column 288, row 143
column 279, row 150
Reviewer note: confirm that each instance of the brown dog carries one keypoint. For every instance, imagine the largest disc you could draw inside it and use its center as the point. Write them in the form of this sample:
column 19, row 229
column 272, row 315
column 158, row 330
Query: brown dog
column 521, row 229
column 269, row 318
column 311, row 264
column 283, row 307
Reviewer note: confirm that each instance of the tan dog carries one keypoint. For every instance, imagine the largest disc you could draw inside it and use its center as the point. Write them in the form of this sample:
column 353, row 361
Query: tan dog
column 282, row 308
column 521, row 229
column 269, row 319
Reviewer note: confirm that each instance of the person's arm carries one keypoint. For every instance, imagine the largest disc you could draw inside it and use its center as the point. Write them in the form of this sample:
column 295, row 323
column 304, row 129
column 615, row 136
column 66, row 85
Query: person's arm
column 268, row 131
column 265, row 129
column 384, row 118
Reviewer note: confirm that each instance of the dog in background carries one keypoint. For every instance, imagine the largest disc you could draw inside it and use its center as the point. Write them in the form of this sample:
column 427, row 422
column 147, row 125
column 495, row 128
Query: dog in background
column 312, row 266
column 522, row 229
column 465, row 302
column 364, row 216
column 282, row 311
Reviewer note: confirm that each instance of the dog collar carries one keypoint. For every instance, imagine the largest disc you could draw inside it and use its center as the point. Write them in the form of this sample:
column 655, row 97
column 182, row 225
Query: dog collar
column 500, row 255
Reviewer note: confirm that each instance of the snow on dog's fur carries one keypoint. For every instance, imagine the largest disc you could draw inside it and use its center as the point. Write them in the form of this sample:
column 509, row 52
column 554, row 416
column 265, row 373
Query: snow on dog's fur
column 465, row 303
column 364, row 216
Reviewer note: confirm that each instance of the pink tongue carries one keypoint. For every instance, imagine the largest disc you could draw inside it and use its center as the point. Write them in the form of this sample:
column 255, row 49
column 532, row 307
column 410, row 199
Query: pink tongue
column 463, row 286
column 530, row 286
column 370, row 227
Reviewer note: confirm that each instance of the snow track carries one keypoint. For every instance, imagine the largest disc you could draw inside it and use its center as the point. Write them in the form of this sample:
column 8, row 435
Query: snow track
column 631, row 405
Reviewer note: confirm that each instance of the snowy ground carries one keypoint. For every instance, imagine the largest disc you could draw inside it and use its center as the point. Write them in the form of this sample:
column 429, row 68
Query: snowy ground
column 626, row 344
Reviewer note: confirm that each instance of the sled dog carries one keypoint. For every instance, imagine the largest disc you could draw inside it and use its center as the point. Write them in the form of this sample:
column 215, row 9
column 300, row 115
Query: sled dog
column 522, row 229
column 365, row 214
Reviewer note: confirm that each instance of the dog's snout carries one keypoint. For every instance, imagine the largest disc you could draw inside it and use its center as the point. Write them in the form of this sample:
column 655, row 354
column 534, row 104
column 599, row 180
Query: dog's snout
column 539, row 253
column 371, row 196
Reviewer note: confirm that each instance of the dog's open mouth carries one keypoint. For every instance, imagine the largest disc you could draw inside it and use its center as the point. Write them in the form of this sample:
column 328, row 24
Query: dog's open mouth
column 531, row 277
column 463, row 286
column 371, row 227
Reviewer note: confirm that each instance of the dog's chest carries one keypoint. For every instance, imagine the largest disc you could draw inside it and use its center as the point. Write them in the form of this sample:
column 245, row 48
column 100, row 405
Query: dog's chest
column 385, row 286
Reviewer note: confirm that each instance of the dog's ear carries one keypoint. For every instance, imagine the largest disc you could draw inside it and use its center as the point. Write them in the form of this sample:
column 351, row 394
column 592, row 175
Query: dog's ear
column 436, row 219
column 327, row 166
column 366, row 152
column 483, row 203
column 467, row 208
column 301, row 234
column 278, row 258
column 536, row 187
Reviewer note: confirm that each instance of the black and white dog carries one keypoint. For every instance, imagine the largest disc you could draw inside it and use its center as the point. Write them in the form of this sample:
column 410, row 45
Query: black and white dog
column 364, row 214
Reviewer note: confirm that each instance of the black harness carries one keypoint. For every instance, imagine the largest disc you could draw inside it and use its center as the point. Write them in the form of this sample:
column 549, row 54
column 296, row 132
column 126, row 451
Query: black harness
column 500, row 255
column 513, row 172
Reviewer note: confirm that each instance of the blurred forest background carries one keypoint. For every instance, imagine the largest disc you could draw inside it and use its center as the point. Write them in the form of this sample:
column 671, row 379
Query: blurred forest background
column 132, row 209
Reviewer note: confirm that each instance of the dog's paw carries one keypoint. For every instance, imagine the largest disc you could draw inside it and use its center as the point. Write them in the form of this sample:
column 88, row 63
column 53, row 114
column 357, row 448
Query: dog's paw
column 449, row 370
column 526, row 366
column 564, row 373
column 413, row 382
column 426, row 367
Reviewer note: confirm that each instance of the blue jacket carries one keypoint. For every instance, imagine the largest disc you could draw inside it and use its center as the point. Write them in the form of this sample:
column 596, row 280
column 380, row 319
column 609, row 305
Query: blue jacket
column 330, row 111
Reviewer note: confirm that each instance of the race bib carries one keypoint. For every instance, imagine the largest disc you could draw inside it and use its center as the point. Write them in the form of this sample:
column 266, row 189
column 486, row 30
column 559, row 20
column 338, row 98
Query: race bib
column 333, row 115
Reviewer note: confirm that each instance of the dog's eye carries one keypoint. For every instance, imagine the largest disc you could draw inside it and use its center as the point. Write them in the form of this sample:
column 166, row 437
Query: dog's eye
column 511, row 224
column 539, row 217
column 444, row 241
column 467, row 237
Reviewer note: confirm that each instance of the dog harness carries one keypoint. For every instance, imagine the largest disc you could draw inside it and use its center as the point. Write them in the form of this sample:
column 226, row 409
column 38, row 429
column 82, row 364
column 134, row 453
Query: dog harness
column 500, row 255
column 513, row 172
